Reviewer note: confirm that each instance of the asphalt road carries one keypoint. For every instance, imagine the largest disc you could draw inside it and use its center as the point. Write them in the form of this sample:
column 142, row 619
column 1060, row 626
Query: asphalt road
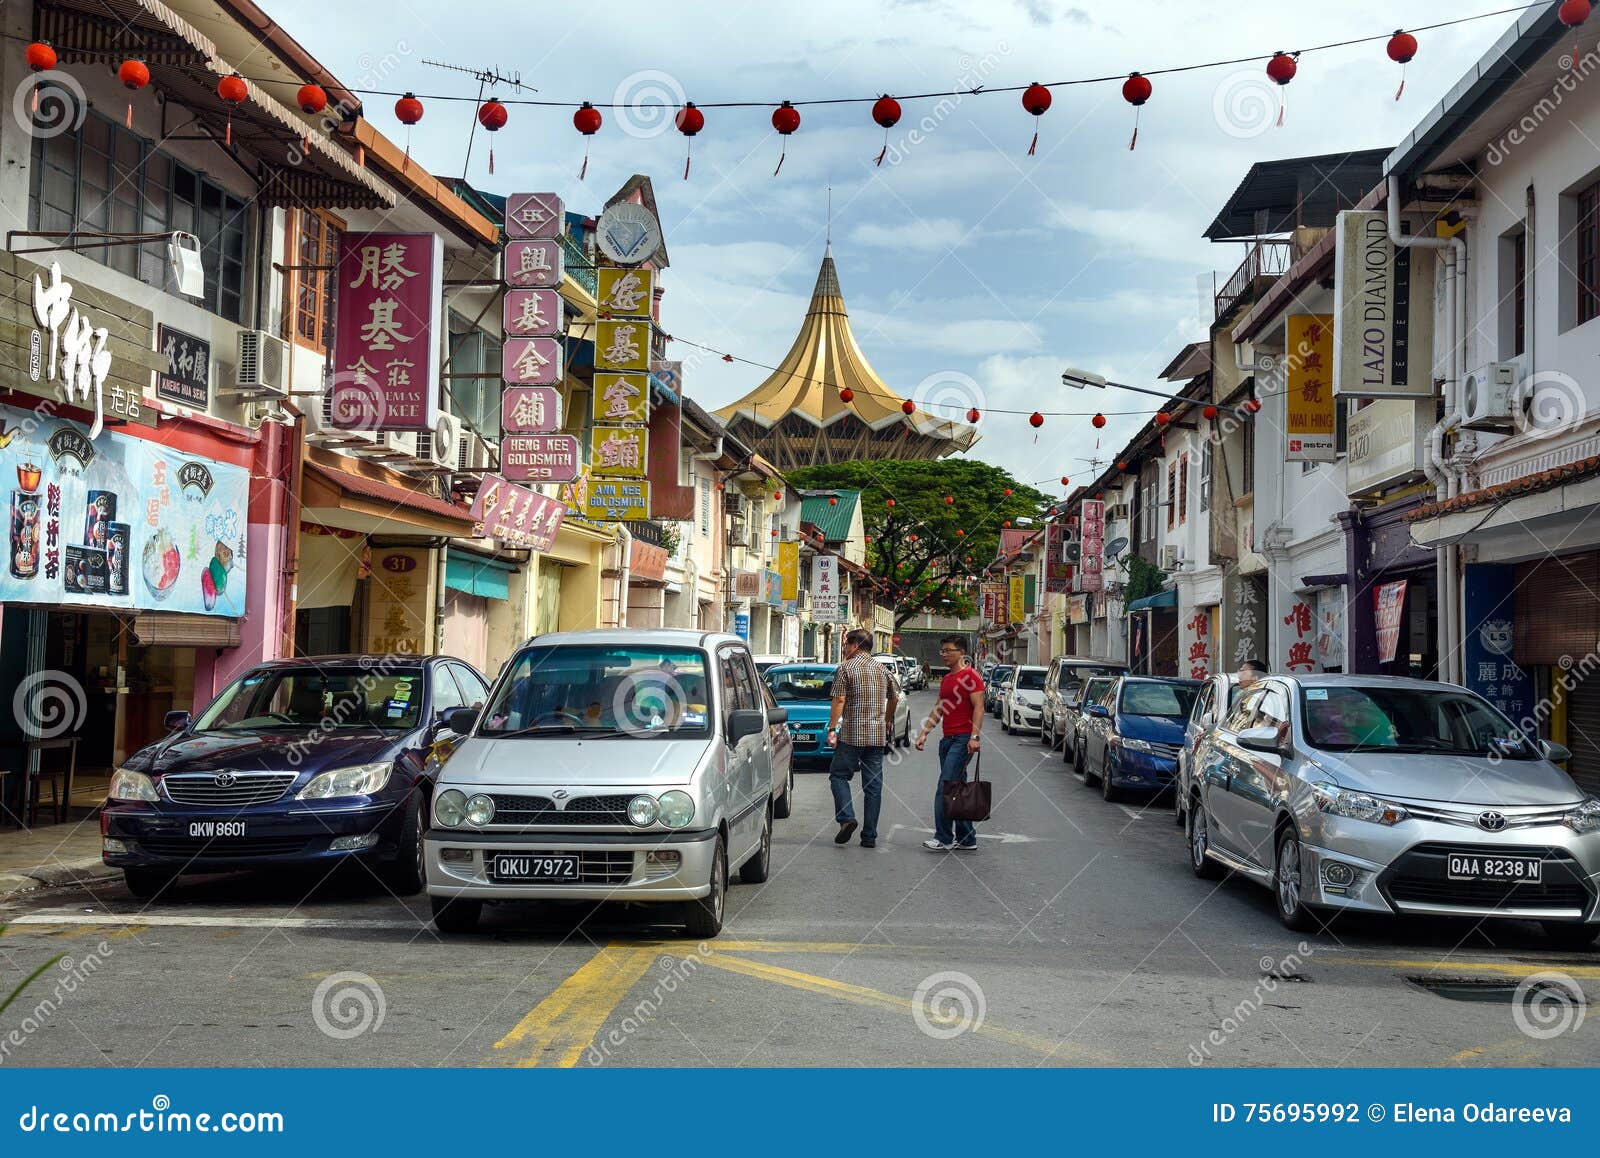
column 1075, row 935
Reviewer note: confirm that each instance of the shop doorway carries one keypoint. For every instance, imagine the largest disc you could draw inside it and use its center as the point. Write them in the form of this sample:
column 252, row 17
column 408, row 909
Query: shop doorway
column 323, row 631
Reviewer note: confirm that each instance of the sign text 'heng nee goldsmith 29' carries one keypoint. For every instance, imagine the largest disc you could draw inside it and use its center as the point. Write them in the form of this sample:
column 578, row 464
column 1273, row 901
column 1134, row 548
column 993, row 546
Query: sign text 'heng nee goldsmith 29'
column 385, row 347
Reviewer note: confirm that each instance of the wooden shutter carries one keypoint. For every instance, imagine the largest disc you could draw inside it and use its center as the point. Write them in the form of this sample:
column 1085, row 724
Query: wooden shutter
column 1558, row 613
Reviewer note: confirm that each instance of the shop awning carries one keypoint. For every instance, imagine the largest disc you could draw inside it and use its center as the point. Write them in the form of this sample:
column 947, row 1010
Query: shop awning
column 356, row 502
column 476, row 575
column 175, row 629
column 1158, row 600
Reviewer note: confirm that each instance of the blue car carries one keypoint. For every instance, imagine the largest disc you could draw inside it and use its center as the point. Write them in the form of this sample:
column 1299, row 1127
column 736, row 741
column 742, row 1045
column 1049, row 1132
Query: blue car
column 805, row 691
column 1133, row 733
column 298, row 762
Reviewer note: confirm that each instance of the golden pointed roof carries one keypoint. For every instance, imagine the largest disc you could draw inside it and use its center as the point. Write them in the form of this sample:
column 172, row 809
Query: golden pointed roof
column 826, row 359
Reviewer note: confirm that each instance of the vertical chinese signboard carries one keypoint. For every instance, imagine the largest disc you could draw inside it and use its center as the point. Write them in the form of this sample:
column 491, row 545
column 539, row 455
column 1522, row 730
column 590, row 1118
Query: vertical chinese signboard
column 826, row 605
column 1389, row 604
column 1491, row 669
column 1057, row 571
column 1091, row 556
column 1197, row 644
column 1309, row 424
column 789, row 569
column 386, row 349
column 1017, row 599
column 1301, row 637
column 1242, row 626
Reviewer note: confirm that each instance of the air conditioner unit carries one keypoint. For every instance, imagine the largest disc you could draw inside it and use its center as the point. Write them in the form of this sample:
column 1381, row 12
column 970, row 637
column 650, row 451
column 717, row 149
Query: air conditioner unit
column 475, row 453
column 1169, row 557
column 445, row 444
column 733, row 503
column 1071, row 551
column 391, row 447
column 320, row 430
column 1487, row 396
column 262, row 369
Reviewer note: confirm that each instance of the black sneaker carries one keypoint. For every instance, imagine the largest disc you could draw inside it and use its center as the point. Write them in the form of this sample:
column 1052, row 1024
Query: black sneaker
column 868, row 842
column 973, row 847
column 846, row 831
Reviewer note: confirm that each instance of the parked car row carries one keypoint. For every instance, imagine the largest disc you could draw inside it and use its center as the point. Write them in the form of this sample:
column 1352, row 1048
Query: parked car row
column 1352, row 793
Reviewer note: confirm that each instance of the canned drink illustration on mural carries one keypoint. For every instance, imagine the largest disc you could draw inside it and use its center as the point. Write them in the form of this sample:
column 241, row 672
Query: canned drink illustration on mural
column 117, row 538
column 99, row 512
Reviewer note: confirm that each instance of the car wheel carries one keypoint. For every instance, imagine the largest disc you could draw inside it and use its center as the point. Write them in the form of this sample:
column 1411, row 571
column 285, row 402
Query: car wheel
column 755, row 870
column 1108, row 787
column 1078, row 768
column 1292, row 909
column 784, row 806
column 1178, row 811
column 1567, row 936
column 146, row 883
column 455, row 914
column 407, row 874
column 702, row 917
column 1069, row 749
column 1046, row 738
column 1199, row 833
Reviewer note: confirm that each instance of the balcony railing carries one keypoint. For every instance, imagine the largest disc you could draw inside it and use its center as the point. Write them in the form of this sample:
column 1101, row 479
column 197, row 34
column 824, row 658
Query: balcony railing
column 578, row 265
column 1268, row 258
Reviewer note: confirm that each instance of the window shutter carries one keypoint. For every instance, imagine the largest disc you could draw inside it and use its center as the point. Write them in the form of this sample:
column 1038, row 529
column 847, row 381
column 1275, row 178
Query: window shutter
column 1558, row 616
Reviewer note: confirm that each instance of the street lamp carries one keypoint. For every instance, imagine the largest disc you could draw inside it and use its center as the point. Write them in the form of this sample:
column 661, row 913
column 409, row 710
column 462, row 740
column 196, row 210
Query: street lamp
column 183, row 250
column 1078, row 379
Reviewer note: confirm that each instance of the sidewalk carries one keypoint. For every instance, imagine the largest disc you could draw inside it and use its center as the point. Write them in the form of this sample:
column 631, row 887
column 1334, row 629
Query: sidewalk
column 55, row 854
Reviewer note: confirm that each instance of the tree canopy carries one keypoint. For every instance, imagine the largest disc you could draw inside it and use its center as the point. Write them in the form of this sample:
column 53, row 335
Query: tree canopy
column 944, row 524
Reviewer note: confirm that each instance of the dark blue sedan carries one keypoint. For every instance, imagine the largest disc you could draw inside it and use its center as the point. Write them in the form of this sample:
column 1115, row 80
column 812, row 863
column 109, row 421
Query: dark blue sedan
column 298, row 762
column 1131, row 737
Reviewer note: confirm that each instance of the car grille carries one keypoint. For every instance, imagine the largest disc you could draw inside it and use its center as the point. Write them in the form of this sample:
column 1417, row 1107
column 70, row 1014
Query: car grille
column 229, row 848
column 1164, row 751
column 594, row 867
column 1418, row 877
column 201, row 788
column 527, row 810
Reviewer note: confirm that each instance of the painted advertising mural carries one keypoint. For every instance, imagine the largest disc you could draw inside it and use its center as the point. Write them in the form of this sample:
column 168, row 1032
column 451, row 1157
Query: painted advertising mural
column 120, row 522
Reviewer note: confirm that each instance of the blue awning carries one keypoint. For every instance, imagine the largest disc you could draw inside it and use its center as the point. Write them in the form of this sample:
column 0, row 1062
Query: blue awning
column 473, row 575
column 1159, row 599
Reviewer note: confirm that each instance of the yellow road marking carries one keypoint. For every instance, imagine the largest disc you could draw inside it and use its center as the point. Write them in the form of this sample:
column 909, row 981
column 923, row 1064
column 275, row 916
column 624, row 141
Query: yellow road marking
column 1451, row 967
column 877, row 999
column 559, row 1029
column 679, row 948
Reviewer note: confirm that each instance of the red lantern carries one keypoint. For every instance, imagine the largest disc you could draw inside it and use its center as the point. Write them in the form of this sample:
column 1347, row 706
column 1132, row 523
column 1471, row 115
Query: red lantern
column 690, row 121
column 1280, row 70
column 1007, row 523
column 973, row 415
column 587, row 120
column 408, row 111
column 832, row 502
column 960, row 533
column 1210, row 412
column 908, row 406
column 234, row 92
column 1036, row 420
column 1253, row 405
column 40, row 56
column 1123, row 466
column 949, row 500
column 311, row 97
column 1098, row 421
column 785, row 119
column 1065, row 481
column 888, row 502
column 492, row 115
column 1036, row 99
column 1571, row 13
column 778, row 495
column 1162, row 418
column 913, row 538
column 1402, row 47
column 134, row 75
column 847, row 395
column 885, row 111
column 1136, row 90
column 1007, row 492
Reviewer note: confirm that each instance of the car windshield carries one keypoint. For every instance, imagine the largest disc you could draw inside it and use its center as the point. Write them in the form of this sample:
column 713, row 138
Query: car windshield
column 1141, row 699
column 1073, row 676
column 1001, row 674
column 1030, row 679
column 801, row 685
column 1408, row 720
column 625, row 691
column 329, row 699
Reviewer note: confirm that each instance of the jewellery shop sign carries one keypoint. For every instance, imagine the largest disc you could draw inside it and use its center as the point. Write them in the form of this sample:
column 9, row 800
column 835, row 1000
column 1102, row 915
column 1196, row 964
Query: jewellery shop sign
column 119, row 522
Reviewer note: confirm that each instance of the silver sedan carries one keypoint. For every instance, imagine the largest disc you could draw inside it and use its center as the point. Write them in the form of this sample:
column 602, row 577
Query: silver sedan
column 1396, row 796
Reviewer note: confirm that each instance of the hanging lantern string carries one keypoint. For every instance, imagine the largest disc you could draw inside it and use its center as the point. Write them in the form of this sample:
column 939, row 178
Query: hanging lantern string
column 981, row 90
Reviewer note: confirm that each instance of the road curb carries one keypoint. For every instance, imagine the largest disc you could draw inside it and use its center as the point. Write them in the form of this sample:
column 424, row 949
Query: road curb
column 87, row 870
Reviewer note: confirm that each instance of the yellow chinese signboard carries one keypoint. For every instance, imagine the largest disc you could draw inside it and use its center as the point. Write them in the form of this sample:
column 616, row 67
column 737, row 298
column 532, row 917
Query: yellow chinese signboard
column 398, row 602
column 622, row 398
column 789, row 570
column 1308, row 387
column 626, row 293
column 614, row 500
column 1019, row 598
column 618, row 450
column 621, row 345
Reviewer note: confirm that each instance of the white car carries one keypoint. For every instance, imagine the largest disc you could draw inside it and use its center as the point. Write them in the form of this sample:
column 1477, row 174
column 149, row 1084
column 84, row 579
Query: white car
column 1022, row 707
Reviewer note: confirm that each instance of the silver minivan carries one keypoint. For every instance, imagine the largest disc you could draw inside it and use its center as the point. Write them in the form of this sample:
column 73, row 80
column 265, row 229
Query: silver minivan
column 610, row 765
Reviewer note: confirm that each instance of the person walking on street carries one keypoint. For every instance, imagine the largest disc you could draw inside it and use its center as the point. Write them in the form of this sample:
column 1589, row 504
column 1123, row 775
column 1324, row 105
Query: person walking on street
column 960, row 711
column 864, row 700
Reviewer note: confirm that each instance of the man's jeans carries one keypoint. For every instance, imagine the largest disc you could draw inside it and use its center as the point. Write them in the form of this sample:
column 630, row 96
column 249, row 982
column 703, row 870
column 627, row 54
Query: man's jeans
column 953, row 757
column 846, row 759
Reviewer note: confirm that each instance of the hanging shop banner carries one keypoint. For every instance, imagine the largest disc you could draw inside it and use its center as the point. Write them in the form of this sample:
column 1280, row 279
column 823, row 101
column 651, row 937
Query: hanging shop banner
column 1383, row 295
column 1385, row 444
column 398, row 591
column 626, row 293
column 622, row 398
column 531, row 361
column 385, row 350
column 618, row 451
column 1057, row 571
column 827, row 604
column 1389, row 604
column 530, row 410
column 1301, row 638
column 789, row 569
column 741, row 625
column 621, row 345
column 533, row 215
column 187, row 377
column 516, row 515
column 532, row 313
column 1091, row 557
column 546, row 458
column 86, row 512
column 1309, row 427
column 746, row 584
column 1330, row 629
column 1017, row 599
column 616, row 500
column 772, row 588
column 1489, row 602
column 533, row 264
column 1196, row 644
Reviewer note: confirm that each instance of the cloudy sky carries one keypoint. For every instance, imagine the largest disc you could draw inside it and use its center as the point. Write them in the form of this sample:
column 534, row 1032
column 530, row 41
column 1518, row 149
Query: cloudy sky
column 966, row 264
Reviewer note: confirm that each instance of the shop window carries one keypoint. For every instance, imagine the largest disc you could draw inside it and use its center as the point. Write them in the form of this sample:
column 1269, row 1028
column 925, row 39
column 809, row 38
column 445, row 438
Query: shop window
column 473, row 383
column 101, row 178
column 1248, row 482
column 1205, row 477
column 309, row 291
column 1579, row 219
column 1183, row 488
column 1172, row 495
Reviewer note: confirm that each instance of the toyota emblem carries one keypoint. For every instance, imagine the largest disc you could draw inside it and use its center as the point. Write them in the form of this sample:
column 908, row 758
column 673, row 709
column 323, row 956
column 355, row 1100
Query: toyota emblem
column 225, row 779
column 1491, row 821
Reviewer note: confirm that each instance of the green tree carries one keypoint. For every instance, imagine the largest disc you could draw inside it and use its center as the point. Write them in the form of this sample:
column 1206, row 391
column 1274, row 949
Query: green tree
column 943, row 526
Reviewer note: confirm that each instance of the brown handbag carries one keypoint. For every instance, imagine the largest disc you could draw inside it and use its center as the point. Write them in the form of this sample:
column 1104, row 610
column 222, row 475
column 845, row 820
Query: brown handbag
column 967, row 800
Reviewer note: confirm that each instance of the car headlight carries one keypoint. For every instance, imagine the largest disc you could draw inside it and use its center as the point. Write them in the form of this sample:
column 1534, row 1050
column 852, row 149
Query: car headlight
column 643, row 810
column 127, row 784
column 677, row 808
column 1585, row 817
column 450, row 807
column 356, row 780
column 480, row 810
column 1135, row 745
column 1336, row 801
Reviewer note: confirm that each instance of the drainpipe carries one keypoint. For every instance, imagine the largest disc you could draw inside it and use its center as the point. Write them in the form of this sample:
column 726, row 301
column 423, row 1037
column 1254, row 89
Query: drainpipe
column 439, row 599
column 1444, row 474
column 624, row 566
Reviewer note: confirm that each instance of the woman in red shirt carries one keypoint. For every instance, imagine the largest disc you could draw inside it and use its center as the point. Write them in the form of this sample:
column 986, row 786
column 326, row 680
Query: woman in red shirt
column 960, row 711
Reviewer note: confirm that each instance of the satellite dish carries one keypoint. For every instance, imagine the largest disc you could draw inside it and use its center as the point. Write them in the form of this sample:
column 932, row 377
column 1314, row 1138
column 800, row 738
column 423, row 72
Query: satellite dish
column 1116, row 547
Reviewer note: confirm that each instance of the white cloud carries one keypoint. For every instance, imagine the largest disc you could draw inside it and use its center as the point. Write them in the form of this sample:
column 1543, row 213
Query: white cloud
column 937, row 234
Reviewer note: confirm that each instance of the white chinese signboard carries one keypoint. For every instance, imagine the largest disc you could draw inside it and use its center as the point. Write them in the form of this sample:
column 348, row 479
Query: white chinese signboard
column 827, row 604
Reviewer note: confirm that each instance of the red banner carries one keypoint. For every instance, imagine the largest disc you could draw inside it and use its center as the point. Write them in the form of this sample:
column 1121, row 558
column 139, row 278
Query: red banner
column 1389, row 604
column 519, row 516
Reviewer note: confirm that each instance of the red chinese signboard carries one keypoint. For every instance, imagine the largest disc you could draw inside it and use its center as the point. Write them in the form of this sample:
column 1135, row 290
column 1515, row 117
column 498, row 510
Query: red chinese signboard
column 386, row 352
column 516, row 515
column 1093, row 537
column 530, row 410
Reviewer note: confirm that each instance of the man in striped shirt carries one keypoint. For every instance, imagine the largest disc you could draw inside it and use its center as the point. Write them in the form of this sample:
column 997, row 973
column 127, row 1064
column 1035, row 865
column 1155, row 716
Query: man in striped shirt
column 864, row 701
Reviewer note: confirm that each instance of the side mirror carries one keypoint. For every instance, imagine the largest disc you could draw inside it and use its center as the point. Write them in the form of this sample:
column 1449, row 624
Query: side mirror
column 1260, row 739
column 777, row 715
column 1553, row 752
column 1099, row 711
column 459, row 720
column 177, row 721
column 745, row 722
